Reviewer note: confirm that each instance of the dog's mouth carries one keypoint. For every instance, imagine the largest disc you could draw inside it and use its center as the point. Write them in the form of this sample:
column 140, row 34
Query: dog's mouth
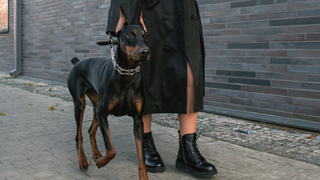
column 140, row 59
column 143, row 59
column 133, row 61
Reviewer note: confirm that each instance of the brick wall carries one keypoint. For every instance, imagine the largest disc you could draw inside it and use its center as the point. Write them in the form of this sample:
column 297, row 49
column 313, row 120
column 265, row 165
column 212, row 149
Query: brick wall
column 54, row 31
column 6, row 45
column 263, row 59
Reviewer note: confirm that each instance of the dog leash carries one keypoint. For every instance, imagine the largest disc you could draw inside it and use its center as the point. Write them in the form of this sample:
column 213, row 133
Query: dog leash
column 111, row 42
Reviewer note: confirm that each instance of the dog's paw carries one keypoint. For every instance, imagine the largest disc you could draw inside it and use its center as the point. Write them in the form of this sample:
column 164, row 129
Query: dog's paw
column 83, row 164
column 96, row 156
column 100, row 162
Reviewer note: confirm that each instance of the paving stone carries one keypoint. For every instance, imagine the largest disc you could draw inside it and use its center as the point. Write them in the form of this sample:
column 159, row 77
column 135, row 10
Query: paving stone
column 24, row 176
column 45, row 174
column 59, row 177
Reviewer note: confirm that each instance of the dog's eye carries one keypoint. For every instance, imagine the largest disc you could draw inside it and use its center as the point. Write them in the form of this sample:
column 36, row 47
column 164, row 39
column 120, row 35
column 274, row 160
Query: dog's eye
column 145, row 36
column 130, row 36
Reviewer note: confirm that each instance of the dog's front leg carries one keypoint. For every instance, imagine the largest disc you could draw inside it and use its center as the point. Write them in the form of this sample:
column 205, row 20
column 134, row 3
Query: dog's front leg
column 110, row 151
column 138, row 134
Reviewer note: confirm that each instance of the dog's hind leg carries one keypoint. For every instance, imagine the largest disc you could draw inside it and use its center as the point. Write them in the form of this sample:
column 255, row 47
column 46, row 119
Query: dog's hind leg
column 110, row 151
column 79, row 107
column 94, row 97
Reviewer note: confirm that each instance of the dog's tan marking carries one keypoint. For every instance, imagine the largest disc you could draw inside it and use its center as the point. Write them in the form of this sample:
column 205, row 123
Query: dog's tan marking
column 109, row 154
column 138, row 103
column 94, row 97
column 142, row 164
column 112, row 104
column 132, row 54
column 82, row 159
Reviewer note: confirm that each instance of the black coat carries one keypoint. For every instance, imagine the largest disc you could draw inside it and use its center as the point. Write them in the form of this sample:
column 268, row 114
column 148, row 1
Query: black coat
column 175, row 36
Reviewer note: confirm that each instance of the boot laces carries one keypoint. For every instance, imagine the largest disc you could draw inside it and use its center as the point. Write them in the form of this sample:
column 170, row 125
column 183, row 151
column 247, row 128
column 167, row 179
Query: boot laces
column 150, row 147
column 194, row 150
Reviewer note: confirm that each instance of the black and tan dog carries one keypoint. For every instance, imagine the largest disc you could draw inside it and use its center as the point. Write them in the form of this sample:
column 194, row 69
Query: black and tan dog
column 114, row 87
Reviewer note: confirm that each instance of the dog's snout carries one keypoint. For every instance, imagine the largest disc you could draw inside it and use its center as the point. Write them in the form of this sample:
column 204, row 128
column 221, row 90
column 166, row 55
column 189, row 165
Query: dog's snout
column 144, row 52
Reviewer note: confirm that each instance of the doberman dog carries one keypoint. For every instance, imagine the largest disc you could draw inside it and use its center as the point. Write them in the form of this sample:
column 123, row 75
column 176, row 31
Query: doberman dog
column 114, row 87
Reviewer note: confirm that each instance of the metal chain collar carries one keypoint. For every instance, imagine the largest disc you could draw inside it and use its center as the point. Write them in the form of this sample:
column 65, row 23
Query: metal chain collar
column 122, row 71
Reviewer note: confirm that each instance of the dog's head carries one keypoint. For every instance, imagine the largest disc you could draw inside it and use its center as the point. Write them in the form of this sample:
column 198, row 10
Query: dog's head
column 133, row 39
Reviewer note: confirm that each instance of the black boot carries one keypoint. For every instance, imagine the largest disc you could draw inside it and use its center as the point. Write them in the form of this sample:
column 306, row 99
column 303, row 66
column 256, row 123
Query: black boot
column 153, row 158
column 189, row 157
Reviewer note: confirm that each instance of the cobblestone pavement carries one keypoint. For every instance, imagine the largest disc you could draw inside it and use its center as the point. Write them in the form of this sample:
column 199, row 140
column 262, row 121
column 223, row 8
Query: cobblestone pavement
column 280, row 140
column 34, row 146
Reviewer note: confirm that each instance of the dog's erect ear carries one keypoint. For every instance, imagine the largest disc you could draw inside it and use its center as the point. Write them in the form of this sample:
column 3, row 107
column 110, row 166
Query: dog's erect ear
column 122, row 21
column 141, row 21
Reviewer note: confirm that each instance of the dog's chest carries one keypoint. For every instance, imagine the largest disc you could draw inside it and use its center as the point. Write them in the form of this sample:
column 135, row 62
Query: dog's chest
column 126, row 102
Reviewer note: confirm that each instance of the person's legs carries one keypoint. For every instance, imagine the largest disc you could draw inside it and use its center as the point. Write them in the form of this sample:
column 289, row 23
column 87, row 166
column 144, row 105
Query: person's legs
column 146, row 119
column 189, row 157
column 188, row 122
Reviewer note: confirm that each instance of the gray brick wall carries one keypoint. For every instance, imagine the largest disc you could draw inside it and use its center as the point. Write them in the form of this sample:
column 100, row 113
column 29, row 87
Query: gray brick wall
column 6, row 45
column 263, row 59
column 54, row 31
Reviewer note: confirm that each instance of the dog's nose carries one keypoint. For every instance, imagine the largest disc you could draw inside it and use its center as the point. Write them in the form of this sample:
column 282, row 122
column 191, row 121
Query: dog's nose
column 144, row 52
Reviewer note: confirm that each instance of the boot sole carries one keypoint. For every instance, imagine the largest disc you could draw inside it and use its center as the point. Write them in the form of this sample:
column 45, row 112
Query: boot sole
column 181, row 166
column 156, row 169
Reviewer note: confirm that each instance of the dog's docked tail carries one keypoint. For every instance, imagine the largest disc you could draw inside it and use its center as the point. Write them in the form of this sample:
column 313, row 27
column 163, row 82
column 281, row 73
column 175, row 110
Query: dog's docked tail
column 74, row 60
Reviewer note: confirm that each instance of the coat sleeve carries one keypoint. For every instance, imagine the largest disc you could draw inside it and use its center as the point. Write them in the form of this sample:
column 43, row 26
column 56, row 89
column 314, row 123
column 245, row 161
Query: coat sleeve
column 131, row 10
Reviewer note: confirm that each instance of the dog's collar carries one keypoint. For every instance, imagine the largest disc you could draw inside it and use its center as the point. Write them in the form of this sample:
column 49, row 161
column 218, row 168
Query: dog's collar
column 122, row 71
